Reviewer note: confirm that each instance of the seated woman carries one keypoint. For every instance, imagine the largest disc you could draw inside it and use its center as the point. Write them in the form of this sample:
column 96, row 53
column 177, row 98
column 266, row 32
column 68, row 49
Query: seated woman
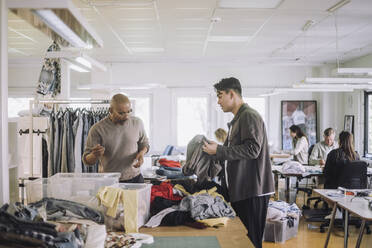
column 300, row 144
column 337, row 158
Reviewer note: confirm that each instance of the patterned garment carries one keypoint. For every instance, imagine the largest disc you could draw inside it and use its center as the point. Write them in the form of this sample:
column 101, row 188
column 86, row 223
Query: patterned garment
column 50, row 76
column 115, row 240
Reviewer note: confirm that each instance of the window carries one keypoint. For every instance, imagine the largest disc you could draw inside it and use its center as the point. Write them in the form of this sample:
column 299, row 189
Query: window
column 15, row 105
column 257, row 103
column 192, row 118
column 141, row 108
column 368, row 124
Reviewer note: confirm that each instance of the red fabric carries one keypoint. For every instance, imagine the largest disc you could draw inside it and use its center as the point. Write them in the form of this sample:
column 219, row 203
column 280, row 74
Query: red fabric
column 164, row 190
column 169, row 163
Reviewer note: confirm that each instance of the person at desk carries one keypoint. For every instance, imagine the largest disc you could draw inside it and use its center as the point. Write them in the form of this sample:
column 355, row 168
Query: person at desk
column 300, row 144
column 118, row 142
column 336, row 158
column 247, row 173
column 321, row 149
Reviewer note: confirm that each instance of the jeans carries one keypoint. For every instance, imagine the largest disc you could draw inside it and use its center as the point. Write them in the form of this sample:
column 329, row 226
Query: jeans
column 55, row 206
column 169, row 173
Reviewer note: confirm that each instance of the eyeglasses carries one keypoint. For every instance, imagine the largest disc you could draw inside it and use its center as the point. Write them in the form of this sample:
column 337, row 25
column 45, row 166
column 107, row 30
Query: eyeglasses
column 124, row 113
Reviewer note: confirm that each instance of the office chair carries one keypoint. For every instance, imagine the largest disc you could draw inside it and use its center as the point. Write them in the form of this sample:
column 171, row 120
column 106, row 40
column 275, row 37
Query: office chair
column 352, row 175
column 306, row 190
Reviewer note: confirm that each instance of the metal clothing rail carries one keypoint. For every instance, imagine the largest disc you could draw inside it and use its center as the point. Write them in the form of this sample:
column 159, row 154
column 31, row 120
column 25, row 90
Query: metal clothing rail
column 59, row 101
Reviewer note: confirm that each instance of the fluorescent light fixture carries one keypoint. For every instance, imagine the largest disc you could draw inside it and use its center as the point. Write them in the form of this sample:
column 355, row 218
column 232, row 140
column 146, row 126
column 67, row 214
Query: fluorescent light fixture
column 58, row 26
column 77, row 56
column 83, row 61
column 273, row 93
column 339, row 80
column 147, row 49
column 338, row 5
column 60, row 20
column 354, row 71
column 307, row 25
column 251, row 4
column 223, row 38
column 77, row 68
column 324, row 86
column 312, row 90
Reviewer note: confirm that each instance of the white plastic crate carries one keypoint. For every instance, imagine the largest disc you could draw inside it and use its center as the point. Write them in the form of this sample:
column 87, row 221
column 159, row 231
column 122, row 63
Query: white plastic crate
column 79, row 187
column 279, row 231
column 136, row 205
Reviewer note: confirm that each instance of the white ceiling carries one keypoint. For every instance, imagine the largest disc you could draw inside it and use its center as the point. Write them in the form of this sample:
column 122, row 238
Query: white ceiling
column 179, row 29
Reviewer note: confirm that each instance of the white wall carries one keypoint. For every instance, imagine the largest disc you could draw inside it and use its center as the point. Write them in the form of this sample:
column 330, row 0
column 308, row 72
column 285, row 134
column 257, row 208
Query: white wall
column 198, row 78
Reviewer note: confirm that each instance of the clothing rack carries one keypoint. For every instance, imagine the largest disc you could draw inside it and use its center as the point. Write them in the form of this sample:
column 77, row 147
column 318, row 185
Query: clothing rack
column 59, row 101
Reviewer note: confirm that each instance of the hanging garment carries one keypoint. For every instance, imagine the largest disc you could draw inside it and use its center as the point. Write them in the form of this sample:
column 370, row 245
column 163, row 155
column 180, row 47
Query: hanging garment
column 198, row 162
column 50, row 76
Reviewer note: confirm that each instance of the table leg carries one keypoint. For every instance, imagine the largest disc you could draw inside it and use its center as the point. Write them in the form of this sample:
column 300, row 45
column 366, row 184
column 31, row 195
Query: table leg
column 276, row 179
column 346, row 228
column 331, row 224
column 287, row 189
column 361, row 231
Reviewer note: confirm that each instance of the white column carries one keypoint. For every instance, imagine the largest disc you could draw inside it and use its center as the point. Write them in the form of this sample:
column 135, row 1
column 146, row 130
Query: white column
column 4, row 167
column 65, row 80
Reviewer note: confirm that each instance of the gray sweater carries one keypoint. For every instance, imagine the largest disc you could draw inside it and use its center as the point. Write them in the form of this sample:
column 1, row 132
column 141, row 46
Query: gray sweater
column 121, row 143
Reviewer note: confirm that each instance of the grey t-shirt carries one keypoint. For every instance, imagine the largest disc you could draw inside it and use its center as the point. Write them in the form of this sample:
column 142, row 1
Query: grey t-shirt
column 121, row 143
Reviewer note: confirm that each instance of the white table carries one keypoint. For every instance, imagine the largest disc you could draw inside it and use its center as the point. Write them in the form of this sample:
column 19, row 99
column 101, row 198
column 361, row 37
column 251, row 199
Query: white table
column 355, row 205
column 310, row 172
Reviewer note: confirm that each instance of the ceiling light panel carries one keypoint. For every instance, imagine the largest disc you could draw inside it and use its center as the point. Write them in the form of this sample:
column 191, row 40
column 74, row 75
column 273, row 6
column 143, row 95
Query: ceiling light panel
column 252, row 4
column 310, row 6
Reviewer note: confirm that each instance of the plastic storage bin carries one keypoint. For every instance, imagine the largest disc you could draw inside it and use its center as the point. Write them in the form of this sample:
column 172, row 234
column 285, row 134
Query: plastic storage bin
column 136, row 205
column 79, row 187
column 279, row 231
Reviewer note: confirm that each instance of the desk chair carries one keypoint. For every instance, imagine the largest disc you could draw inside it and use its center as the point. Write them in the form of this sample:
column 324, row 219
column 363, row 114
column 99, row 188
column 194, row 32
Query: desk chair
column 351, row 175
column 307, row 191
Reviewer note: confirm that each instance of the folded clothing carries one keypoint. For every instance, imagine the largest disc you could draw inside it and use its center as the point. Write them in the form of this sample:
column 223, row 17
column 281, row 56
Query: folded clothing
column 60, row 209
column 169, row 163
column 170, row 174
column 164, row 190
column 293, row 167
column 170, row 168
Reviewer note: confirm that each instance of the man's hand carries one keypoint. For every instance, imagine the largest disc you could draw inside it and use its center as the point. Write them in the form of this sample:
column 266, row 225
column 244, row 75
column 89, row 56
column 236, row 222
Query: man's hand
column 98, row 151
column 321, row 162
column 138, row 161
column 210, row 148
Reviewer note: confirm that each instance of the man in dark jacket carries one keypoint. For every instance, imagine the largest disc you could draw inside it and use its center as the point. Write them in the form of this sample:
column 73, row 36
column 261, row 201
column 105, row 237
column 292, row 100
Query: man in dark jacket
column 247, row 172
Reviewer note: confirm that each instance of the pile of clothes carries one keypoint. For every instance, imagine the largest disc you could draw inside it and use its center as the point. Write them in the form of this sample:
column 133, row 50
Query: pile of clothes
column 188, row 203
column 35, row 226
column 281, row 221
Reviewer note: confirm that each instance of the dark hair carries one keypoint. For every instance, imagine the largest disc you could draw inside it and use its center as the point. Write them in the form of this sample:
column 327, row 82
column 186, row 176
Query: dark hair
column 298, row 131
column 227, row 84
column 346, row 145
column 329, row 131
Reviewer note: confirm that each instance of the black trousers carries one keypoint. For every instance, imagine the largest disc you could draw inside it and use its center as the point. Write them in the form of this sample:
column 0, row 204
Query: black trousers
column 136, row 179
column 252, row 212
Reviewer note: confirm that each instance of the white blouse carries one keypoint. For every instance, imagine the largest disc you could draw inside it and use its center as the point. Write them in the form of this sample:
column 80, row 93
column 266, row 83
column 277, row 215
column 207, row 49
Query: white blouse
column 300, row 150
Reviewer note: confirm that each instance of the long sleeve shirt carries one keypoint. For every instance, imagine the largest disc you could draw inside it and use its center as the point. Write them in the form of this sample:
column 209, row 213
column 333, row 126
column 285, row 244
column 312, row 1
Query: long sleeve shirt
column 320, row 152
column 300, row 150
column 121, row 143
